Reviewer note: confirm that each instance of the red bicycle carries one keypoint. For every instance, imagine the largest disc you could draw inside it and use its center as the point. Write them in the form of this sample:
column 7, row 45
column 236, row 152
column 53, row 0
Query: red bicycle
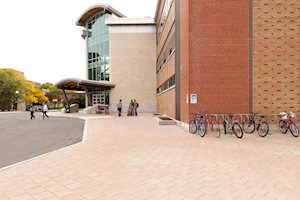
column 286, row 123
column 261, row 125
column 211, row 122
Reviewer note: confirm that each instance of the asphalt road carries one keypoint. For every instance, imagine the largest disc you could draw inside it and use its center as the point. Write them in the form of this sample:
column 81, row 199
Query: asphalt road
column 22, row 138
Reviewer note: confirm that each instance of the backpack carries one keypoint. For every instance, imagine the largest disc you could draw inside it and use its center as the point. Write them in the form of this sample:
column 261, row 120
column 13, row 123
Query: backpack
column 137, row 105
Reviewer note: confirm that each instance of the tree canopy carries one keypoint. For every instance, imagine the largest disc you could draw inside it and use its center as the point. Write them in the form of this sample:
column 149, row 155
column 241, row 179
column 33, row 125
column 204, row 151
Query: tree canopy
column 14, row 87
column 50, row 87
column 10, row 82
column 33, row 94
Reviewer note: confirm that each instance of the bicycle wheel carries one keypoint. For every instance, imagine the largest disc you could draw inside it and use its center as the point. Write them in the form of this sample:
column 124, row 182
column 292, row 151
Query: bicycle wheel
column 216, row 130
column 283, row 127
column 202, row 130
column 237, row 130
column 249, row 127
column 192, row 127
column 225, row 127
column 263, row 129
column 294, row 129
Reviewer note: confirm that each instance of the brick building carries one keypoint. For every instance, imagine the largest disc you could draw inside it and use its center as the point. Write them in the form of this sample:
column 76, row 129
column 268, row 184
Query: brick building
column 227, row 56
column 210, row 55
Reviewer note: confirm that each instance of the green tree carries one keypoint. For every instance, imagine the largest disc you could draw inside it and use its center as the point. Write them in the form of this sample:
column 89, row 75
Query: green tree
column 50, row 87
column 10, row 82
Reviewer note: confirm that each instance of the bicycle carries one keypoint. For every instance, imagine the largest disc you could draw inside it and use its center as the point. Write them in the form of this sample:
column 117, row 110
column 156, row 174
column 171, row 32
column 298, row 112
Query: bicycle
column 261, row 125
column 232, row 126
column 286, row 123
column 197, row 124
column 214, row 127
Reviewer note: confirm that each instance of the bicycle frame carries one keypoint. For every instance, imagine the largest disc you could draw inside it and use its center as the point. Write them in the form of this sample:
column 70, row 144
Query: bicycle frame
column 232, row 126
column 287, row 122
column 214, row 127
column 228, row 124
column 209, row 122
column 196, row 124
column 198, row 120
column 262, row 131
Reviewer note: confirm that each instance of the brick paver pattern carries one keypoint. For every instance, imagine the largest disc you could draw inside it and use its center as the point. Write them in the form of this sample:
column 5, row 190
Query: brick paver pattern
column 135, row 158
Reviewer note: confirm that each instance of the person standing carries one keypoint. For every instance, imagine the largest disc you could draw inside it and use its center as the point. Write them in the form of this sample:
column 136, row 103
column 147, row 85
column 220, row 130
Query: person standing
column 130, row 109
column 135, row 106
column 119, row 107
column 31, row 112
column 45, row 109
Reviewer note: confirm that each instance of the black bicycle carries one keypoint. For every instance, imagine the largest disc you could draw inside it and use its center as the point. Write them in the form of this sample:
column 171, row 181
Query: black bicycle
column 261, row 125
column 232, row 126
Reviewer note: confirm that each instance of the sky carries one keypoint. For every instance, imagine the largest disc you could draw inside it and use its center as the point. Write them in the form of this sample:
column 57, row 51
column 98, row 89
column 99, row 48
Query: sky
column 41, row 39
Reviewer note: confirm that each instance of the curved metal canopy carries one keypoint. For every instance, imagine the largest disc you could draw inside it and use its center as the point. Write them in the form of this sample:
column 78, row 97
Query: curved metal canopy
column 82, row 85
column 95, row 9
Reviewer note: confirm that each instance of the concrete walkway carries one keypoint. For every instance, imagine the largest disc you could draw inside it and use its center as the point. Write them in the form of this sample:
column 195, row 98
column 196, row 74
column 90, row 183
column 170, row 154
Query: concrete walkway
column 134, row 158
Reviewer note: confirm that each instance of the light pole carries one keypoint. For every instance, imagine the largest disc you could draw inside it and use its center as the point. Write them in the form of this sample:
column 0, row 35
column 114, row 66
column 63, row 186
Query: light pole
column 16, row 101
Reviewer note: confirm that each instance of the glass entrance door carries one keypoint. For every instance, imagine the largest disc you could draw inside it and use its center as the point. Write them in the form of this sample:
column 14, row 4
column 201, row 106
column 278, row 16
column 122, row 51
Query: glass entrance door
column 98, row 99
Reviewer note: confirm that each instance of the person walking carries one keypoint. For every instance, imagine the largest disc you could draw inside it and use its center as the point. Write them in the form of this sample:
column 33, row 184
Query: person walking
column 31, row 109
column 45, row 109
column 119, row 107
column 135, row 106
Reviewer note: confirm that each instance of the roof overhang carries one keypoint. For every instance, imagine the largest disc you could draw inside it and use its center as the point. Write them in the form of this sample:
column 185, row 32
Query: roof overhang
column 129, row 21
column 82, row 85
column 95, row 9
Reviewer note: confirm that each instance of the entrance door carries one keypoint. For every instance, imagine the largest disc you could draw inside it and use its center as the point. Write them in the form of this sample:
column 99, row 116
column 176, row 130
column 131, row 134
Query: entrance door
column 98, row 99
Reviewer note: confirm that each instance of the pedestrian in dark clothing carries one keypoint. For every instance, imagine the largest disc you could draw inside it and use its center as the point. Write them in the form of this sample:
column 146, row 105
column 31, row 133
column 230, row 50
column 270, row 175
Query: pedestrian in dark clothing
column 119, row 107
column 135, row 106
column 32, row 112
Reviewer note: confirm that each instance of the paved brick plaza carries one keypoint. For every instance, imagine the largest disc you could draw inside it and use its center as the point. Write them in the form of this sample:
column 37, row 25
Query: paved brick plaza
column 134, row 158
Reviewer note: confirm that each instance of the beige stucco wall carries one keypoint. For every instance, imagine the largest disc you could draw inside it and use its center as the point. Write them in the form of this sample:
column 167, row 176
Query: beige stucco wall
column 133, row 61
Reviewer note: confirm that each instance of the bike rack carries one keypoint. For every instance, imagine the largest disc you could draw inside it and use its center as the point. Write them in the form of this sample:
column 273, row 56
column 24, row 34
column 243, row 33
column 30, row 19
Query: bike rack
column 244, row 117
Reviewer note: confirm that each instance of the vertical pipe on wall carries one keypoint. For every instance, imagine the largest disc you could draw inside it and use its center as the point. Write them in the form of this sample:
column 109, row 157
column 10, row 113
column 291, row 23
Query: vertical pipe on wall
column 177, row 59
column 250, row 56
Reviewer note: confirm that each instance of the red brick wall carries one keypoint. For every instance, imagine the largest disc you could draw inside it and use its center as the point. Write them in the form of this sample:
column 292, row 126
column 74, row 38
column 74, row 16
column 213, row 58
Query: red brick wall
column 218, row 52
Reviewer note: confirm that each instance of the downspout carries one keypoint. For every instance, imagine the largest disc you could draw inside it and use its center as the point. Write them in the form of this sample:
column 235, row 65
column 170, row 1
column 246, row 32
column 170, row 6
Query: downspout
column 250, row 57
column 177, row 59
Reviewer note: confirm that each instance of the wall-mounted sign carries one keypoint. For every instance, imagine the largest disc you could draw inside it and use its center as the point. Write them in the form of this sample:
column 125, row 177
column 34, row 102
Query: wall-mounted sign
column 193, row 98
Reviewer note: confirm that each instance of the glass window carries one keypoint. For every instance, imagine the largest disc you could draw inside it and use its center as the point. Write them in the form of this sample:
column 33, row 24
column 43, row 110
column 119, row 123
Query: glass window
column 163, row 18
column 98, row 47
column 166, row 50
column 90, row 74
column 167, row 84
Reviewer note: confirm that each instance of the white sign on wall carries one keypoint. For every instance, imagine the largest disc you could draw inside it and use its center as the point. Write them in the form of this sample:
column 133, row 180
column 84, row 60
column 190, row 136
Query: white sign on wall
column 193, row 98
